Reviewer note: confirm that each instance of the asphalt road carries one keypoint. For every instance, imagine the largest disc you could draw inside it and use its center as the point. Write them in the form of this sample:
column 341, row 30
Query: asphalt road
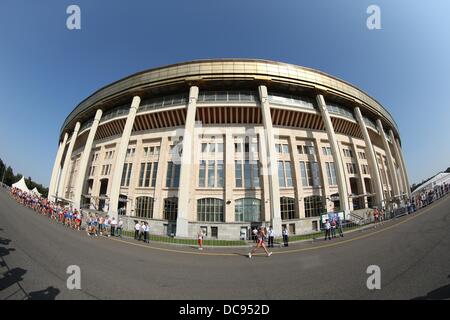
column 412, row 253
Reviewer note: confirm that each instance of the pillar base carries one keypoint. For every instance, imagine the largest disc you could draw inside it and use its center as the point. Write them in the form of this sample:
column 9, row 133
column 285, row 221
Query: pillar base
column 182, row 228
column 276, row 224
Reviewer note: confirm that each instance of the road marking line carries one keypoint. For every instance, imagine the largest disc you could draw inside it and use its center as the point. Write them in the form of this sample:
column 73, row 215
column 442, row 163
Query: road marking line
column 287, row 251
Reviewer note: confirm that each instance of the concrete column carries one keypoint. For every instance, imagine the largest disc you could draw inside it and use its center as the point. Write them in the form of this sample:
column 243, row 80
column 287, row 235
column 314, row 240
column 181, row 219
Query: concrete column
column 371, row 159
column 65, row 168
column 401, row 179
column 272, row 163
column 265, row 213
column 360, row 173
column 403, row 167
column 56, row 168
column 322, row 159
column 390, row 161
column 297, row 176
column 164, row 150
column 337, row 158
column 121, row 152
column 79, row 183
column 187, row 165
column 134, row 179
column 229, row 177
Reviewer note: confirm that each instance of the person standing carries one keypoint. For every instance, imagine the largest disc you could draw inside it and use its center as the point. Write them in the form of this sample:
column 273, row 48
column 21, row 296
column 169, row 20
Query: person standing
column 146, row 229
column 113, row 226
column 375, row 216
column 333, row 228
column 286, row 236
column 271, row 235
column 137, row 228
column 327, row 230
column 255, row 233
column 119, row 228
column 141, row 230
column 260, row 235
column 339, row 226
column 200, row 236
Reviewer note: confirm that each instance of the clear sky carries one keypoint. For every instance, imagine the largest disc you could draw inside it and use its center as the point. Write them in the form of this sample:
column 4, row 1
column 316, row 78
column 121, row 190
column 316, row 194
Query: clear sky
column 46, row 69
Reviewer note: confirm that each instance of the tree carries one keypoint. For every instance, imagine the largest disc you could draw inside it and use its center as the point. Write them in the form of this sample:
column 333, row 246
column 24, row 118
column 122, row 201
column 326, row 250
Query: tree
column 9, row 177
column 448, row 170
column 2, row 169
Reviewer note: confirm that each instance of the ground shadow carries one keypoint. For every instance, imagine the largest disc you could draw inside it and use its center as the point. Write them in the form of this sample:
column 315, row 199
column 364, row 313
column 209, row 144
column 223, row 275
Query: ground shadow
column 4, row 241
column 47, row 294
column 5, row 251
column 11, row 277
column 440, row 293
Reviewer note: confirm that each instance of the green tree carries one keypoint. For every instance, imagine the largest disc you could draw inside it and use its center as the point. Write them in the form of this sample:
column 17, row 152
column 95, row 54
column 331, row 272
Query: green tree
column 9, row 177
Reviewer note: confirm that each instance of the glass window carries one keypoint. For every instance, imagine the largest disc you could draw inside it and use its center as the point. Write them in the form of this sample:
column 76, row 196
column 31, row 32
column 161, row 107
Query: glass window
column 144, row 207
column 210, row 209
column 287, row 206
column 309, row 150
column 281, row 180
column 155, row 173
column 314, row 206
column 306, row 173
column 220, row 147
column 331, row 172
column 148, row 171
column 300, row 149
column 204, row 147
column 141, row 175
column 124, row 174
column 237, row 147
column 212, row 147
column 211, row 176
column 285, row 148
column 256, row 177
column 315, row 174
column 247, row 174
column 169, row 174
column 248, row 210
column 238, row 173
column 287, row 166
column 220, row 173
column 278, row 148
column 201, row 175
column 171, row 208
column 176, row 178
column 130, row 166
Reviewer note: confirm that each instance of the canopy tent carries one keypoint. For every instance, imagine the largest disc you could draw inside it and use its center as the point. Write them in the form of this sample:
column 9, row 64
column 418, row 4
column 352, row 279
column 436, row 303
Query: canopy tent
column 437, row 180
column 35, row 192
column 21, row 185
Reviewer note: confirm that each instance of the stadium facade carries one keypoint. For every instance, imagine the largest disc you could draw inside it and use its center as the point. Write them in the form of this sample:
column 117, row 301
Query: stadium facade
column 227, row 144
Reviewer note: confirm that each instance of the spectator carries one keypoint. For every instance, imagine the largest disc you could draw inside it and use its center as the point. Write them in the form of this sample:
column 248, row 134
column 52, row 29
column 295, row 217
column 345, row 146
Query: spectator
column 271, row 235
column 286, row 236
column 200, row 236
column 137, row 229
column 119, row 228
column 327, row 230
column 113, row 226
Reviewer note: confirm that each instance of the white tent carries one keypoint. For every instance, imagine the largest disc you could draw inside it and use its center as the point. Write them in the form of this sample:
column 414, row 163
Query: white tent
column 21, row 185
column 36, row 192
column 437, row 180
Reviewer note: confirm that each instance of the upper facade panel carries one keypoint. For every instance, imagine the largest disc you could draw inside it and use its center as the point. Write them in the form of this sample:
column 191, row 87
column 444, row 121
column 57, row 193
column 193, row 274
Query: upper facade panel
column 202, row 71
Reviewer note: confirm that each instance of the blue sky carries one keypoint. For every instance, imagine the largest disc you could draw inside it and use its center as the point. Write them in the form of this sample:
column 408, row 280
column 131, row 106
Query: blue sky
column 46, row 69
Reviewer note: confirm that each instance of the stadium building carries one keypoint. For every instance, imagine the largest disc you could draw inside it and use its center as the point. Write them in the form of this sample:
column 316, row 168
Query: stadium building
column 227, row 144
